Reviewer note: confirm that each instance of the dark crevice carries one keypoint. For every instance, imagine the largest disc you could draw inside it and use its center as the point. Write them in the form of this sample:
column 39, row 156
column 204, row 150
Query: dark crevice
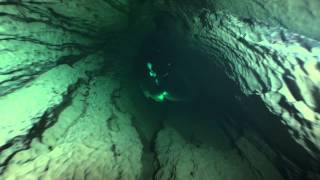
column 58, row 24
column 47, row 120
column 293, row 87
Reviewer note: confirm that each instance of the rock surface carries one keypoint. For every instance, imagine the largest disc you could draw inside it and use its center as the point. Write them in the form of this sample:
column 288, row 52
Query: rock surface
column 299, row 16
column 88, row 141
column 277, row 72
column 59, row 117
column 70, row 107
column 182, row 159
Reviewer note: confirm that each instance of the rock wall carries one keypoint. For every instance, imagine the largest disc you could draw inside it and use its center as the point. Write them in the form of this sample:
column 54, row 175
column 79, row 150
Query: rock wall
column 276, row 69
column 70, row 108
column 299, row 16
column 60, row 115
column 296, row 15
column 90, row 139
column 182, row 159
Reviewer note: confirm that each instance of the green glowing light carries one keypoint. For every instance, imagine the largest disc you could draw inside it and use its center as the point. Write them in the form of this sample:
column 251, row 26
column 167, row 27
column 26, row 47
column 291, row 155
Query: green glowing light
column 151, row 72
column 162, row 96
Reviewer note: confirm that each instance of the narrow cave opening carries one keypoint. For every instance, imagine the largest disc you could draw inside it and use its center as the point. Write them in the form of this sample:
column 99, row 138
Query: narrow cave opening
column 197, row 98
column 174, row 74
column 204, row 105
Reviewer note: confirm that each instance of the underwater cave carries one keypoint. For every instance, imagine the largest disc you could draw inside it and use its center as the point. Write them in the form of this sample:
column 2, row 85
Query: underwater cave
column 159, row 89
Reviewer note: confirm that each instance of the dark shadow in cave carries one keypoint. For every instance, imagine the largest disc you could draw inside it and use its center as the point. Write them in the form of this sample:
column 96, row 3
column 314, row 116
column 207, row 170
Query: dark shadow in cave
column 204, row 95
column 188, row 74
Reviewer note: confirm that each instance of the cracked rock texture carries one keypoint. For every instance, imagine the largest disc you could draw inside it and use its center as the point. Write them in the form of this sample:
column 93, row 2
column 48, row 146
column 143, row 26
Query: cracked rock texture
column 60, row 118
column 299, row 16
column 277, row 72
column 70, row 106
column 182, row 159
column 89, row 141
column 278, row 67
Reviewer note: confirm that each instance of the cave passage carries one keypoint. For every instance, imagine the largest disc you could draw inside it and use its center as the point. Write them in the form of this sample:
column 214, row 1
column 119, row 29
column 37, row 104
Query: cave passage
column 162, row 90
column 196, row 96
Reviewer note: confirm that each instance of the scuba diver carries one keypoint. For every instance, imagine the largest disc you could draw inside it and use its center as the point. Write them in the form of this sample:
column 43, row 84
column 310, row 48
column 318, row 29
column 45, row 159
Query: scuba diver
column 162, row 71
column 155, row 87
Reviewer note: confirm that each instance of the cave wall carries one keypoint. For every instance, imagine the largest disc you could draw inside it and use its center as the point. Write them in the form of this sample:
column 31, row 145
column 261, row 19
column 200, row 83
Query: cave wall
column 276, row 68
column 64, row 109
column 70, row 107
column 295, row 15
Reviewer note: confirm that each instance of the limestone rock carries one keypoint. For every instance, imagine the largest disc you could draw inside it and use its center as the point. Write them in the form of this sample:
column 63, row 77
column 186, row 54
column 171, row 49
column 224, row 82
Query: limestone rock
column 57, row 117
column 91, row 139
column 180, row 159
column 65, row 113
column 277, row 66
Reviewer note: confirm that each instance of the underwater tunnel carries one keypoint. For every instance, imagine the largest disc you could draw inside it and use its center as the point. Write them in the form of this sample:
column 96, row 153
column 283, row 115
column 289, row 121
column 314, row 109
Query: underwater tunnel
column 159, row 90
